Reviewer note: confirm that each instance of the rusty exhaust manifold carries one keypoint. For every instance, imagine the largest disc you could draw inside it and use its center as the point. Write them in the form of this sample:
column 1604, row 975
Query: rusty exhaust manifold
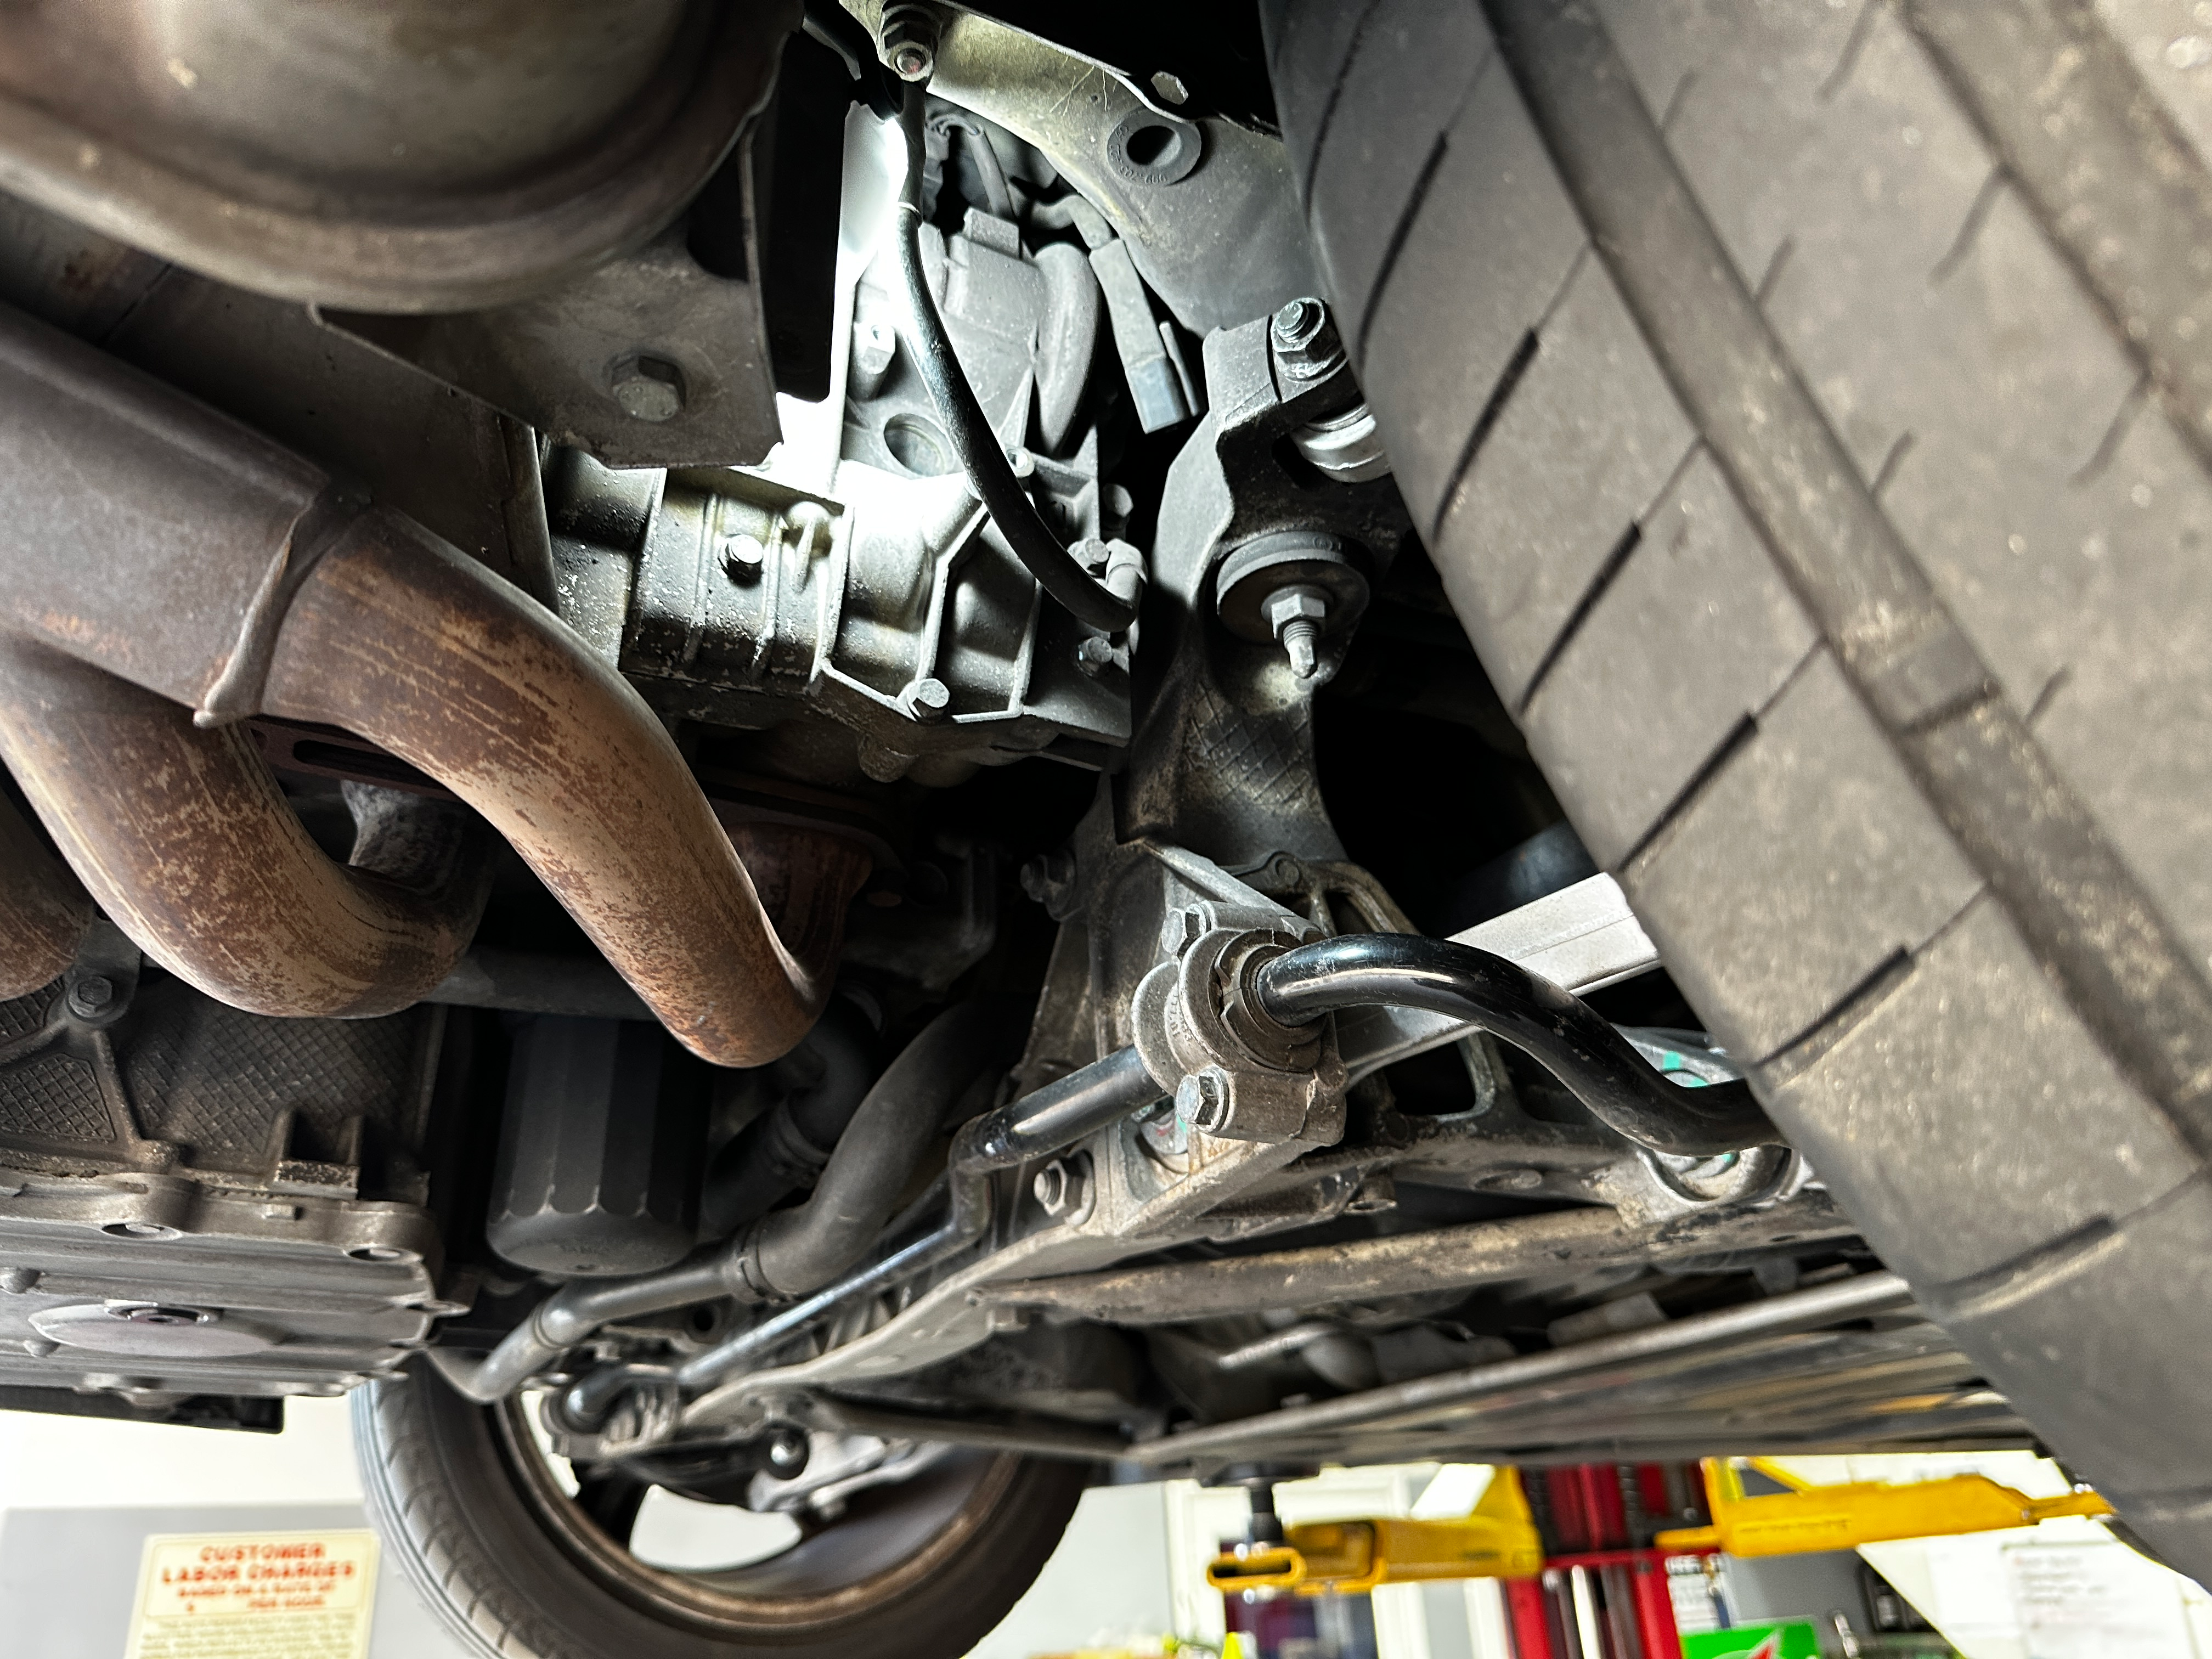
column 157, row 557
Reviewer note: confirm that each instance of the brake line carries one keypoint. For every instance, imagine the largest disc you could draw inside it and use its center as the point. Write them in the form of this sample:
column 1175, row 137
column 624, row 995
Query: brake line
column 974, row 441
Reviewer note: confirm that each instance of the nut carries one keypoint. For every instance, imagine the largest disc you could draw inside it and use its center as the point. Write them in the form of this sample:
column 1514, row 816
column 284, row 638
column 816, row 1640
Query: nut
column 1287, row 604
column 648, row 388
column 1062, row 1186
column 907, row 42
column 1295, row 615
column 1305, row 340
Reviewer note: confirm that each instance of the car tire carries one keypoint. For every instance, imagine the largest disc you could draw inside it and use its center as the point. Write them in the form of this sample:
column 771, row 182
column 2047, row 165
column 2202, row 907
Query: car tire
column 1809, row 407
column 517, row 1569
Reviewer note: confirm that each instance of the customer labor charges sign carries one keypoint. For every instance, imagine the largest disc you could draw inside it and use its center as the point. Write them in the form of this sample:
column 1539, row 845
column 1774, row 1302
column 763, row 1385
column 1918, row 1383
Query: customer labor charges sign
column 255, row 1595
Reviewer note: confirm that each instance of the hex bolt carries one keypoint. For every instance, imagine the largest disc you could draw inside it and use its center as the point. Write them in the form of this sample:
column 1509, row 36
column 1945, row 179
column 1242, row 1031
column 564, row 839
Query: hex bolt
column 907, row 42
column 91, row 996
column 744, row 557
column 926, row 699
column 1202, row 1099
column 648, row 388
column 1295, row 615
column 1094, row 655
column 1305, row 340
column 787, row 1452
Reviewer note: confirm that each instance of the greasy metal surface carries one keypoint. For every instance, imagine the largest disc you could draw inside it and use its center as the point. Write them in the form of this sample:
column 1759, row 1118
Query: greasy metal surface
column 552, row 359
column 1223, row 757
column 1135, row 885
column 161, row 1148
column 423, row 155
column 1457, row 1392
column 394, row 636
column 42, row 909
column 891, row 606
column 343, row 1286
column 162, row 1079
column 1562, row 1243
column 1220, row 239
column 186, row 840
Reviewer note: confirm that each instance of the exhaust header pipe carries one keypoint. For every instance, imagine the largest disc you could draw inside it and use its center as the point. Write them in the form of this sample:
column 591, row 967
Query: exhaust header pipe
column 160, row 557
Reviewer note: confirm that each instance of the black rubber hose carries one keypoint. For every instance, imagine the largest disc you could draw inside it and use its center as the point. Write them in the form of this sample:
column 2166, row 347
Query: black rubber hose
column 969, row 430
column 805, row 1248
column 786, row 1148
column 1562, row 1033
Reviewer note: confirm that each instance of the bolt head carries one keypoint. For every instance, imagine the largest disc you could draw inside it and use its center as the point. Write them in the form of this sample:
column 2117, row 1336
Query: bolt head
column 1202, row 1099
column 647, row 387
column 92, row 994
column 908, row 43
column 787, row 1449
column 926, row 699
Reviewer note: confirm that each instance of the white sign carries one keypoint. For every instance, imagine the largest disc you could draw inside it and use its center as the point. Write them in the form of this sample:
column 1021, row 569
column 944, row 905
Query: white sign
column 2095, row 1602
column 255, row 1595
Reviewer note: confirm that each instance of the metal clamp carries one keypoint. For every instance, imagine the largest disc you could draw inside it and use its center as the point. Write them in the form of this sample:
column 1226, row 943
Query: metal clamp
column 1235, row 1072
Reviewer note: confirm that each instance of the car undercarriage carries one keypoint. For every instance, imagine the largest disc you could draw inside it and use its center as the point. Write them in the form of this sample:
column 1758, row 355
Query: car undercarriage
column 743, row 762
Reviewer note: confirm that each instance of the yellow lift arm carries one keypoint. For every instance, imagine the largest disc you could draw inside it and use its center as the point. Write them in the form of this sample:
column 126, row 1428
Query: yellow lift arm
column 1497, row 1540
column 1806, row 1519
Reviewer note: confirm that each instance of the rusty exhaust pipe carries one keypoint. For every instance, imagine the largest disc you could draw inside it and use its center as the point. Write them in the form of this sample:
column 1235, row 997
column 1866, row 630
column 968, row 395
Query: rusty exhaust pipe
column 43, row 911
column 193, row 852
column 210, row 568
column 395, row 636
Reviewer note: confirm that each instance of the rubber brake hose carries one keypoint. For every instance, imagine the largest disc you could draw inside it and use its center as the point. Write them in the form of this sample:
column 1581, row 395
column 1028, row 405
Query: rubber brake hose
column 974, row 440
